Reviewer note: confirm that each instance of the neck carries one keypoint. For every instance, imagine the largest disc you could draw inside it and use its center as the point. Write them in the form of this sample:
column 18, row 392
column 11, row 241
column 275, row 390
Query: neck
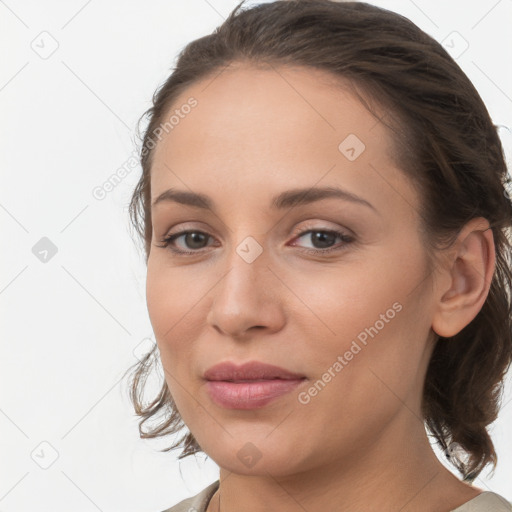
column 399, row 471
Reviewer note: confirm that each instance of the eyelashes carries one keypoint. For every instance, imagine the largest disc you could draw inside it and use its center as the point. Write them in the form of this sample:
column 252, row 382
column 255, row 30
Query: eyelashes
column 331, row 234
column 190, row 236
column 168, row 241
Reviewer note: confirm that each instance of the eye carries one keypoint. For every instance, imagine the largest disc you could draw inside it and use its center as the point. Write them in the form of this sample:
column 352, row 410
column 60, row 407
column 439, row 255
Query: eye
column 193, row 237
column 323, row 238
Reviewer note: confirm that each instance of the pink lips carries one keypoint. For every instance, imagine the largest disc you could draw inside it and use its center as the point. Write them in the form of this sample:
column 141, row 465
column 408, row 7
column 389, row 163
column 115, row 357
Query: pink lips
column 249, row 386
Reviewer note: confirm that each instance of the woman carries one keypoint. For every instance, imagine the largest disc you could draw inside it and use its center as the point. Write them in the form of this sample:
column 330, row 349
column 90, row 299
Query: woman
column 326, row 224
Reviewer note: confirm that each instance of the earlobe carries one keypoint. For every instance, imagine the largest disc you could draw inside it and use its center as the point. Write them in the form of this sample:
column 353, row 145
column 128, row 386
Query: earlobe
column 470, row 269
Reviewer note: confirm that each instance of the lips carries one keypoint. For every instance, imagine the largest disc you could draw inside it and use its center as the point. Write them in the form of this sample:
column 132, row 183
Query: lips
column 250, row 371
column 252, row 385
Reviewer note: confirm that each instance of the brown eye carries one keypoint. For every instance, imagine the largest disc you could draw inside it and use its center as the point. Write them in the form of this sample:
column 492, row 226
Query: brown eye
column 192, row 239
column 322, row 240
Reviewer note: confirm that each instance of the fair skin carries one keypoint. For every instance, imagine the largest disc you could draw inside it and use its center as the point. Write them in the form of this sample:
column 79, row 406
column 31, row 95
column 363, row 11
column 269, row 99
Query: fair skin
column 359, row 444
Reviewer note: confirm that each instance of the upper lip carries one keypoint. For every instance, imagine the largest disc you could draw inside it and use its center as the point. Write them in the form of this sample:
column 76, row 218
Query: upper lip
column 252, row 370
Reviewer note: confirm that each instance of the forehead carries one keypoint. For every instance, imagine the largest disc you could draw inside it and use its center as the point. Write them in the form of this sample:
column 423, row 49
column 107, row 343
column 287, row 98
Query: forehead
column 246, row 106
column 277, row 127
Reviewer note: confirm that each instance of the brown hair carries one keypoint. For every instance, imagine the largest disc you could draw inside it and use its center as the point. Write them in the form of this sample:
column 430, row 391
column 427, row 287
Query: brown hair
column 445, row 142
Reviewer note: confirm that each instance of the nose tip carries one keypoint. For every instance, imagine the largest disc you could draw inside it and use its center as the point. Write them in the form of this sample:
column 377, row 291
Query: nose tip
column 244, row 300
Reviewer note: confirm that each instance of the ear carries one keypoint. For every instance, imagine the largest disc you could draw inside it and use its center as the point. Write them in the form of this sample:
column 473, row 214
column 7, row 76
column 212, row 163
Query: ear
column 466, row 278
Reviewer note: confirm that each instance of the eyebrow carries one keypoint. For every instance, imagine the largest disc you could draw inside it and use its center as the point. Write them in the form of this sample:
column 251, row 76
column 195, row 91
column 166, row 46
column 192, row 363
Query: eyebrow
column 286, row 199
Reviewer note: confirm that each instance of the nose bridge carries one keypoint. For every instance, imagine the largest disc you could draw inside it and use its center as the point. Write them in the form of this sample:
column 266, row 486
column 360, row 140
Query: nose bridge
column 246, row 294
column 247, row 265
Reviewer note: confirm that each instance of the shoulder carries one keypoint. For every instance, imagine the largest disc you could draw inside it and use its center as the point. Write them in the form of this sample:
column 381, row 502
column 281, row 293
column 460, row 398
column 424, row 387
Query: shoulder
column 486, row 501
column 197, row 503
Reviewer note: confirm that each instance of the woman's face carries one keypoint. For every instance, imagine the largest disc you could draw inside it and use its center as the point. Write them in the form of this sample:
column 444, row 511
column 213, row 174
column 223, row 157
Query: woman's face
column 353, row 317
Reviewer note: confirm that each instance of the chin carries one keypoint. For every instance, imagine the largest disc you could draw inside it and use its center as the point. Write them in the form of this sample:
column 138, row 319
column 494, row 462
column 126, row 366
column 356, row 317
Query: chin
column 257, row 457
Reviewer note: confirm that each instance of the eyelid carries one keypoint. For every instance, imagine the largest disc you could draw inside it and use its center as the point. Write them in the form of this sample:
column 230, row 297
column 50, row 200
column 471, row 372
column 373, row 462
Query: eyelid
column 346, row 236
column 299, row 230
column 319, row 225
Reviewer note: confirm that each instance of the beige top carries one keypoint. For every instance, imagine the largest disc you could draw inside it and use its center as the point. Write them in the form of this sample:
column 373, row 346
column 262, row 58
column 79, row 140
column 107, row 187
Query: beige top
column 487, row 501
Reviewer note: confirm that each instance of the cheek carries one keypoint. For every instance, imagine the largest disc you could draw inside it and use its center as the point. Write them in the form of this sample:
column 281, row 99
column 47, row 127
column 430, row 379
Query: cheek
column 169, row 297
column 176, row 307
column 362, row 375
column 339, row 303
column 362, row 324
column 167, row 311
column 160, row 300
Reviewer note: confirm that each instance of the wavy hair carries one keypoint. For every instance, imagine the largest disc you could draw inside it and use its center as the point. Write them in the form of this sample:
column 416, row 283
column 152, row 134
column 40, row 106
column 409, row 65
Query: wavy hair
column 444, row 141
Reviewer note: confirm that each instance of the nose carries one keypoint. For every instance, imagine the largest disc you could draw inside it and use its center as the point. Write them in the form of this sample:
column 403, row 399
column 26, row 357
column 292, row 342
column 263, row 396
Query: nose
column 247, row 298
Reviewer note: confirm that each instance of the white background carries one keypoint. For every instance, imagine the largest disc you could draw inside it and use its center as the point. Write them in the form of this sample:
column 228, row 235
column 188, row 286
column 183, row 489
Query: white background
column 72, row 325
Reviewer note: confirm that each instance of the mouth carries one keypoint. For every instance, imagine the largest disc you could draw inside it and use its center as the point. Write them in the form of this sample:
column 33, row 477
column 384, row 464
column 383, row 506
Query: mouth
column 253, row 394
column 250, row 385
column 250, row 371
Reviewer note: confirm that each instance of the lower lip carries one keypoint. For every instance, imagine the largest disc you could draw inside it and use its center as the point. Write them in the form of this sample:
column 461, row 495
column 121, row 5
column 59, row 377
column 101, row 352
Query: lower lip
column 249, row 395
